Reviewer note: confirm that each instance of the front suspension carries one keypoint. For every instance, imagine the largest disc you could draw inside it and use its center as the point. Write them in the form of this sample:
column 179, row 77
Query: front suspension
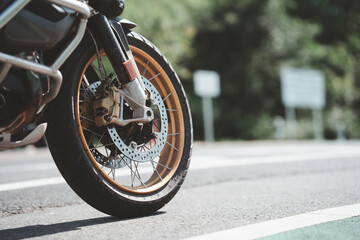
column 113, row 40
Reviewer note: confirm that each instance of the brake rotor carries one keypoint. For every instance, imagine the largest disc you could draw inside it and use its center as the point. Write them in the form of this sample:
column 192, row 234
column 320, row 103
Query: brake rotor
column 147, row 151
column 143, row 152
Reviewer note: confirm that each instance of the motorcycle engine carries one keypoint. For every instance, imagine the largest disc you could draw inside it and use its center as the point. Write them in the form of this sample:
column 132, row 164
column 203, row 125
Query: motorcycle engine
column 20, row 98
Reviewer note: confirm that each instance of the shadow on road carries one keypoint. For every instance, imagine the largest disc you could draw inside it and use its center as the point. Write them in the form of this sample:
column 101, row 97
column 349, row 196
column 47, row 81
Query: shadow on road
column 45, row 230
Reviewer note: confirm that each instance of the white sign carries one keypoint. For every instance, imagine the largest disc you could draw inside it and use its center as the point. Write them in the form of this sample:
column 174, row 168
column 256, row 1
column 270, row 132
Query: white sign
column 207, row 83
column 302, row 88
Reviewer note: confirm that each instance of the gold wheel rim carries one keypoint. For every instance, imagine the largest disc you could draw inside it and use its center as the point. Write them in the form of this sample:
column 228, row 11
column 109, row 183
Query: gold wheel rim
column 170, row 157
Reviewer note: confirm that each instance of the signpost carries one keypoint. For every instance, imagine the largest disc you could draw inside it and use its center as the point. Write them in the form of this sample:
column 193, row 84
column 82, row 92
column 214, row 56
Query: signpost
column 207, row 86
column 303, row 88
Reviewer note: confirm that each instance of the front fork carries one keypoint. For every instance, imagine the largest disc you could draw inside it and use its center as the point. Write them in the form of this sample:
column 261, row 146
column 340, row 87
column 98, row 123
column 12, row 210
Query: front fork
column 116, row 47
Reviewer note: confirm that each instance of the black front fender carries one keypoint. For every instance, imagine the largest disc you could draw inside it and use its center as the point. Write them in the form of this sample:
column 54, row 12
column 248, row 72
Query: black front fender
column 126, row 24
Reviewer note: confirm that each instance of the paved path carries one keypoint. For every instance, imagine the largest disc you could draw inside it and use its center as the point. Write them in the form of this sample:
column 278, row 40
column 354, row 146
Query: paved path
column 230, row 185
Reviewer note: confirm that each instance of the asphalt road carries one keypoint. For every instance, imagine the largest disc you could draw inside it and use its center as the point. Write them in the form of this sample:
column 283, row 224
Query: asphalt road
column 229, row 185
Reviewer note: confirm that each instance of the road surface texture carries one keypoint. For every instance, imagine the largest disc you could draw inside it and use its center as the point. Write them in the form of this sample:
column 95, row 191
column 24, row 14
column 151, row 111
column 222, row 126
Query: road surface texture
column 229, row 186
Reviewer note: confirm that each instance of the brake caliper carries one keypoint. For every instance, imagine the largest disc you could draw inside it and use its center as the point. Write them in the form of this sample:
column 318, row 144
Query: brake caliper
column 106, row 104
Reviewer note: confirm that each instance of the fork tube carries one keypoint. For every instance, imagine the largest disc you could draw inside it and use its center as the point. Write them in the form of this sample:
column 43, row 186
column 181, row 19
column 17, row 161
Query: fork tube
column 111, row 46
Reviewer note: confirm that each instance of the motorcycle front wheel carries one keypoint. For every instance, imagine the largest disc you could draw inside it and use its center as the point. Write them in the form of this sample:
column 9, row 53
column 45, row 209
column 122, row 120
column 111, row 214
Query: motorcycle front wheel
column 124, row 171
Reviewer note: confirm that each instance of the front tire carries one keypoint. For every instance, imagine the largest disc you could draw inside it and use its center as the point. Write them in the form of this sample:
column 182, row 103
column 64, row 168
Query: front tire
column 90, row 158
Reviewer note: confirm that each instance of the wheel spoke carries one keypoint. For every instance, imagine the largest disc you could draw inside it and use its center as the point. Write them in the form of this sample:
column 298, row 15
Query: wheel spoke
column 96, row 69
column 86, row 129
column 166, row 97
column 156, row 123
column 154, row 76
column 117, row 80
column 173, row 134
column 86, row 97
column 146, row 147
column 86, row 90
column 102, row 136
column 107, row 153
column 136, row 164
column 172, row 146
column 86, row 80
column 85, row 84
column 155, row 170
column 99, row 141
column 147, row 64
column 112, row 170
column 134, row 175
column 162, row 165
column 100, row 68
column 88, row 119
column 96, row 147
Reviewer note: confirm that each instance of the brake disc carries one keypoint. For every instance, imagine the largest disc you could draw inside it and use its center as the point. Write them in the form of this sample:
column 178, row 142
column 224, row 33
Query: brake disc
column 147, row 151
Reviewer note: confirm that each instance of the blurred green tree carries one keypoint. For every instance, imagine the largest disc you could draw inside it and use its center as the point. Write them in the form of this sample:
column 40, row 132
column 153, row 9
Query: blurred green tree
column 248, row 42
column 339, row 42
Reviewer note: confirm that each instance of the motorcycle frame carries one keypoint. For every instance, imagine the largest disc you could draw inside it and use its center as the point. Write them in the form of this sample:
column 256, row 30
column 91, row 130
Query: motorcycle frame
column 53, row 70
column 115, row 45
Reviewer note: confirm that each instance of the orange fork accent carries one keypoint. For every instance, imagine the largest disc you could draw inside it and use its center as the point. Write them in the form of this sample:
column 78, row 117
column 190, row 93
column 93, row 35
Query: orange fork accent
column 130, row 69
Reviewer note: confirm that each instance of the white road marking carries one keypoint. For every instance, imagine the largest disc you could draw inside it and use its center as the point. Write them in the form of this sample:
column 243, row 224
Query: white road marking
column 31, row 183
column 268, row 228
column 198, row 163
column 206, row 162
column 49, row 181
column 28, row 167
column 215, row 162
column 26, row 153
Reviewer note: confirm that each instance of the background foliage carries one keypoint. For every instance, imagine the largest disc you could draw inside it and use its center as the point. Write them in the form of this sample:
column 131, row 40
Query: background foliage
column 248, row 42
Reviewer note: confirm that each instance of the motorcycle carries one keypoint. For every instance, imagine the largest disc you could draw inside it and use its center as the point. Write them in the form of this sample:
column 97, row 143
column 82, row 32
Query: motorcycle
column 114, row 112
